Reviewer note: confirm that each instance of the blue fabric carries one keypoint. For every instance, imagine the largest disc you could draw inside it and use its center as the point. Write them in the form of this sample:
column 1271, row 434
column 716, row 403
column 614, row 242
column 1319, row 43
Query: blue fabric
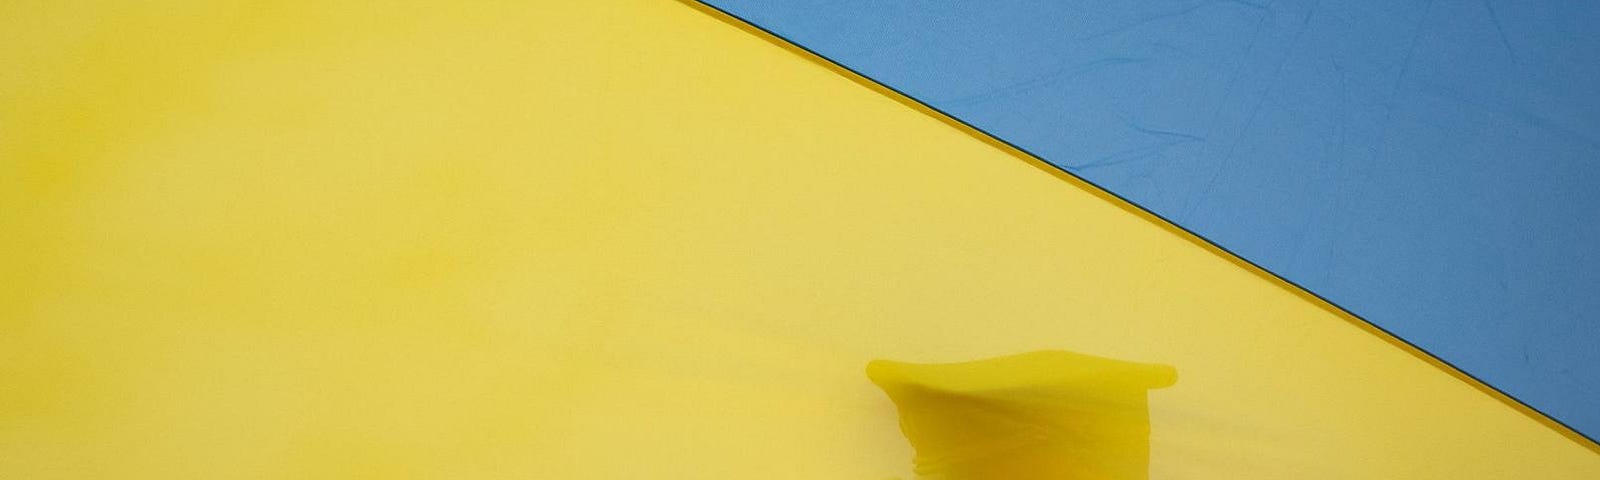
column 1434, row 167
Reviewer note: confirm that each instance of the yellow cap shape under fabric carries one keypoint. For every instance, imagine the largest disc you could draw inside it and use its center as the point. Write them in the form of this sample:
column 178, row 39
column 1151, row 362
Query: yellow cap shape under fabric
column 1042, row 415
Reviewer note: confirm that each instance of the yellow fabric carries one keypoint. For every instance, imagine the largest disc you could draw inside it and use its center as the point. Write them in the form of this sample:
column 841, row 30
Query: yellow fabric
column 1048, row 415
column 595, row 240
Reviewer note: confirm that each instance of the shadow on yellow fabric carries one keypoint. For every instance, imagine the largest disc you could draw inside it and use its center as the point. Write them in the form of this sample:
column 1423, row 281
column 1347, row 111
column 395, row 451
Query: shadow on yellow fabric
column 1043, row 415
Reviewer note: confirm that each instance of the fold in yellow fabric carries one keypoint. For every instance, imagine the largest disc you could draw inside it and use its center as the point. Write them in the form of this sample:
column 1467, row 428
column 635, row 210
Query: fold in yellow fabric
column 1049, row 415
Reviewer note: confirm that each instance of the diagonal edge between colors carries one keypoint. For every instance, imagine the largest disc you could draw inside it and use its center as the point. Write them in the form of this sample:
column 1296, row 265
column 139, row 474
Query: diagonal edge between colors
column 1593, row 444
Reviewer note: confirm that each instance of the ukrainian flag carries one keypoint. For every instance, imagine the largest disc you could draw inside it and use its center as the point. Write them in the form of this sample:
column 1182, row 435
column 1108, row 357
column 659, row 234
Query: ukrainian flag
column 652, row 239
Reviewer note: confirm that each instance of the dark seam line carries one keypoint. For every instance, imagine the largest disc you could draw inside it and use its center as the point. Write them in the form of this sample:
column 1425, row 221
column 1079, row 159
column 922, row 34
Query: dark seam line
column 1562, row 427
